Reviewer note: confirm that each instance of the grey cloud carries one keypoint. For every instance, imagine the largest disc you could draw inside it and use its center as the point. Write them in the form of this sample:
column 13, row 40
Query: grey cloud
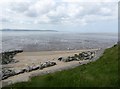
column 32, row 13
column 60, row 12
column 40, row 8
column 19, row 7
column 5, row 20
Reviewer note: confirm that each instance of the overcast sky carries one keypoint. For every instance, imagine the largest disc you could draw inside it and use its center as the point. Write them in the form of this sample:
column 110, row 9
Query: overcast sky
column 61, row 15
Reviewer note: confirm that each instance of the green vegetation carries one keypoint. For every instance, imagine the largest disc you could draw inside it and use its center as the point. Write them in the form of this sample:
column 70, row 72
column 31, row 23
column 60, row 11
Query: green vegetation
column 101, row 73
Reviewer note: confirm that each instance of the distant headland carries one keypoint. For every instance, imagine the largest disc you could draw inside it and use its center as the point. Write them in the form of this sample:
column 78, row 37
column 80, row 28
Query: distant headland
column 27, row 30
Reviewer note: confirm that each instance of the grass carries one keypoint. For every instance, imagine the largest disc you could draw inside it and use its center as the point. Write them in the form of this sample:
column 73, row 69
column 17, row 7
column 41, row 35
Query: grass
column 101, row 73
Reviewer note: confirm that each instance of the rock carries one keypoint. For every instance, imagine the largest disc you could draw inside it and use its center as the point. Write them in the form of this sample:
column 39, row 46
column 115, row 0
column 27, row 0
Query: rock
column 29, row 68
column 65, row 60
column 41, row 66
column 7, row 57
column 93, row 55
column 81, row 55
column 35, row 67
column 52, row 63
column 7, row 73
column 19, row 71
column 85, row 54
column 44, row 65
column 60, row 58
column 24, row 69
column 77, row 57
column 4, row 77
column 11, row 72
column 0, row 75
column 47, row 64
column 16, row 61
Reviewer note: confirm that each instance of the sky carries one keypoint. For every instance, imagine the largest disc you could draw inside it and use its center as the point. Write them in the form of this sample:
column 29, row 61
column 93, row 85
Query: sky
column 60, row 15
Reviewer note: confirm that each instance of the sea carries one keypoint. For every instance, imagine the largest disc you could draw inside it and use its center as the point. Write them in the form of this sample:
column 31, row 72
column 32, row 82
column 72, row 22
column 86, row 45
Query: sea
column 53, row 41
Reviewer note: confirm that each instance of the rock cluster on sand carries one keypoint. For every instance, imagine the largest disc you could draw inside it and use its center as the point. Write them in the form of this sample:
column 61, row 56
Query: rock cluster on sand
column 77, row 57
column 6, row 72
column 7, row 57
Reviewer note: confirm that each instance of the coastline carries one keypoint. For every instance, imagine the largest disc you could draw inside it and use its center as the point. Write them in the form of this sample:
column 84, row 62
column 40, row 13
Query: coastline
column 36, row 57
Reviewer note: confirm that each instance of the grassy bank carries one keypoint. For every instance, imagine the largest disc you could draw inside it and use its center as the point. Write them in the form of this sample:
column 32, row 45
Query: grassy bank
column 101, row 73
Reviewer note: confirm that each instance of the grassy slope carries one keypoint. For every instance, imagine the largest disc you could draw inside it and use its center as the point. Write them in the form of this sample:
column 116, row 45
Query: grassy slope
column 102, row 73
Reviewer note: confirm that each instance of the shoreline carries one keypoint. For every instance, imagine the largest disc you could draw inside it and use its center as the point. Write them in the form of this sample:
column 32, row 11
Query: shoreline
column 24, row 57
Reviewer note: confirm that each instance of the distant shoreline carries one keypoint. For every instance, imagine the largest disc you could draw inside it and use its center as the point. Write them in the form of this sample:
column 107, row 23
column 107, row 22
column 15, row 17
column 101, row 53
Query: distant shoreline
column 27, row 30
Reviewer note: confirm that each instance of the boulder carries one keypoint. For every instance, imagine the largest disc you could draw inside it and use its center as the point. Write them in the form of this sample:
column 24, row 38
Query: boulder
column 11, row 72
column 44, row 65
column 77, row 57
column 19, row 71
column 29, row 68
column 52, row 63
column 60, row 58
column 7, row 73
column 24, row 69
column 35, row 67
column 41, row 66
column 47, row 64
column 65, row 60
column 85, row 54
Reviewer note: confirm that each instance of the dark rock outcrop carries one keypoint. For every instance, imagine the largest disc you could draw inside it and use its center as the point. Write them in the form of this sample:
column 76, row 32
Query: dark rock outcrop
column 6, row 72
column 7, row 57
column 77, row 57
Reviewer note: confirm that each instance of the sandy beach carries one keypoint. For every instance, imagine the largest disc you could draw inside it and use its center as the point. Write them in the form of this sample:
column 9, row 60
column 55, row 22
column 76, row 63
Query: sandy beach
column 30, row 58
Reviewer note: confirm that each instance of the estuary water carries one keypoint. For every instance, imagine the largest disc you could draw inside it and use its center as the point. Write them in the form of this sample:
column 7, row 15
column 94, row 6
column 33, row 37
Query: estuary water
column 49, row 41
